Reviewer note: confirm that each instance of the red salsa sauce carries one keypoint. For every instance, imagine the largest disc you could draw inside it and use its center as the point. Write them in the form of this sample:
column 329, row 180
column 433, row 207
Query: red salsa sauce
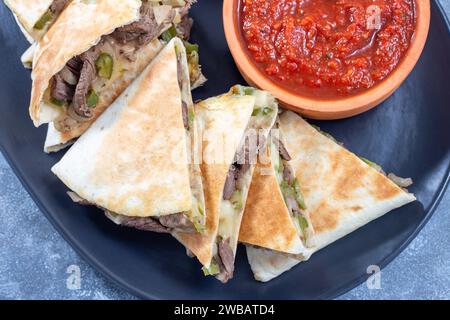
column 327, row 48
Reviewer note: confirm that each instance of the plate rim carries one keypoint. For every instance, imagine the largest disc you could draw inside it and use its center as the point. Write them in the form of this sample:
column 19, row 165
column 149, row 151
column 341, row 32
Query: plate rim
column 107, row 273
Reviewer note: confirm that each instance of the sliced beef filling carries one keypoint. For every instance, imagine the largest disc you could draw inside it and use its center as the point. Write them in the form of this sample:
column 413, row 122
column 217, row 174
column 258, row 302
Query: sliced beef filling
column 245, row 157
column 87, row 75
column 58, row 6
column 225, row 260
column 282, row 149
column 290, row 187
column 177, row 221
column 64, row 82
column 179, row 71
column 72, row 83
column 164, row 224
column 230, row 183
column 144, row 224
column 74, row 66
column 187, row 110
column 142, row 31
column 288, row 175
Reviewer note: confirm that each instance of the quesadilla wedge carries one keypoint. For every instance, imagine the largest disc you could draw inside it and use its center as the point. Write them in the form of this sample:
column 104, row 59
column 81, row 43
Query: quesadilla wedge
column 276, row 216
column 234, row 126
column 35, row 17
column 342, row 191
column 135, row 161
column 91, row 54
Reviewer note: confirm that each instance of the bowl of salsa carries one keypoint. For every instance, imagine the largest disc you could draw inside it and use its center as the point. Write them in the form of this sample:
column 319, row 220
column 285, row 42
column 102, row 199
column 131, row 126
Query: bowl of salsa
column 327, row 59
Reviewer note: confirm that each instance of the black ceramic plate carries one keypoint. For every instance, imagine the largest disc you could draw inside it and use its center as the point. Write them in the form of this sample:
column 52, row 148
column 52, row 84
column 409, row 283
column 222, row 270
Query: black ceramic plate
column 409, row 134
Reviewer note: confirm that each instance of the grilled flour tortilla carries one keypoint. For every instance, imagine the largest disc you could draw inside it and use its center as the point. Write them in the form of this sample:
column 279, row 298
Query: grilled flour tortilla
column 275, row 216
column 341, row 191
column 35, row 17
column 135, row 160
column 233, row 127
column 75, row 78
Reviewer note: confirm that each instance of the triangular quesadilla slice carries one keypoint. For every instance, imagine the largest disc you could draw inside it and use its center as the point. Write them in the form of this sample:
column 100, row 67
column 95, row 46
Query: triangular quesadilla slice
column 342, row 191
column 276, row 216
column 91, row 54
column 135, row 161
column 233, row 127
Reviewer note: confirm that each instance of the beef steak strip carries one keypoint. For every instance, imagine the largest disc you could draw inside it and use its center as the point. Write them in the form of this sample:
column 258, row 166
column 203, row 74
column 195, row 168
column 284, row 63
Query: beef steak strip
column 58, row 6
column 143, row 31
column 87, row 75
column 185, row 111
column 61, row 90
column 74, row 65
column 226, row 256
column 184, row 27
column 281, row 149
column 179, row 71
column 261, row 143
column 177, row 221
column 230, row 183
column 293, row 205
column 144, row 224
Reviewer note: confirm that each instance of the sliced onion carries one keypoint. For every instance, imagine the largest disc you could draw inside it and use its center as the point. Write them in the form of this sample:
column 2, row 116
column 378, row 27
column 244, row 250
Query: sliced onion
column 401, row 182
column 162, row 13
column 68, row 76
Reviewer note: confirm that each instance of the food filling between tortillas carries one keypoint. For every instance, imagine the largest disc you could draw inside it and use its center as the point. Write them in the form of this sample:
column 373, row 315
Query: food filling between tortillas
column 94, row 74
column 238, row 182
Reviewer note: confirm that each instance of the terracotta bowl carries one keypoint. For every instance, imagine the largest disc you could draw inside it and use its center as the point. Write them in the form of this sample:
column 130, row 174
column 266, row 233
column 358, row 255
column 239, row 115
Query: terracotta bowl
column 325, row 109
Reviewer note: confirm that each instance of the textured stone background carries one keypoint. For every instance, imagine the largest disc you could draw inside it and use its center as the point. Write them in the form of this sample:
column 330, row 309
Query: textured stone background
column 34, row 258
